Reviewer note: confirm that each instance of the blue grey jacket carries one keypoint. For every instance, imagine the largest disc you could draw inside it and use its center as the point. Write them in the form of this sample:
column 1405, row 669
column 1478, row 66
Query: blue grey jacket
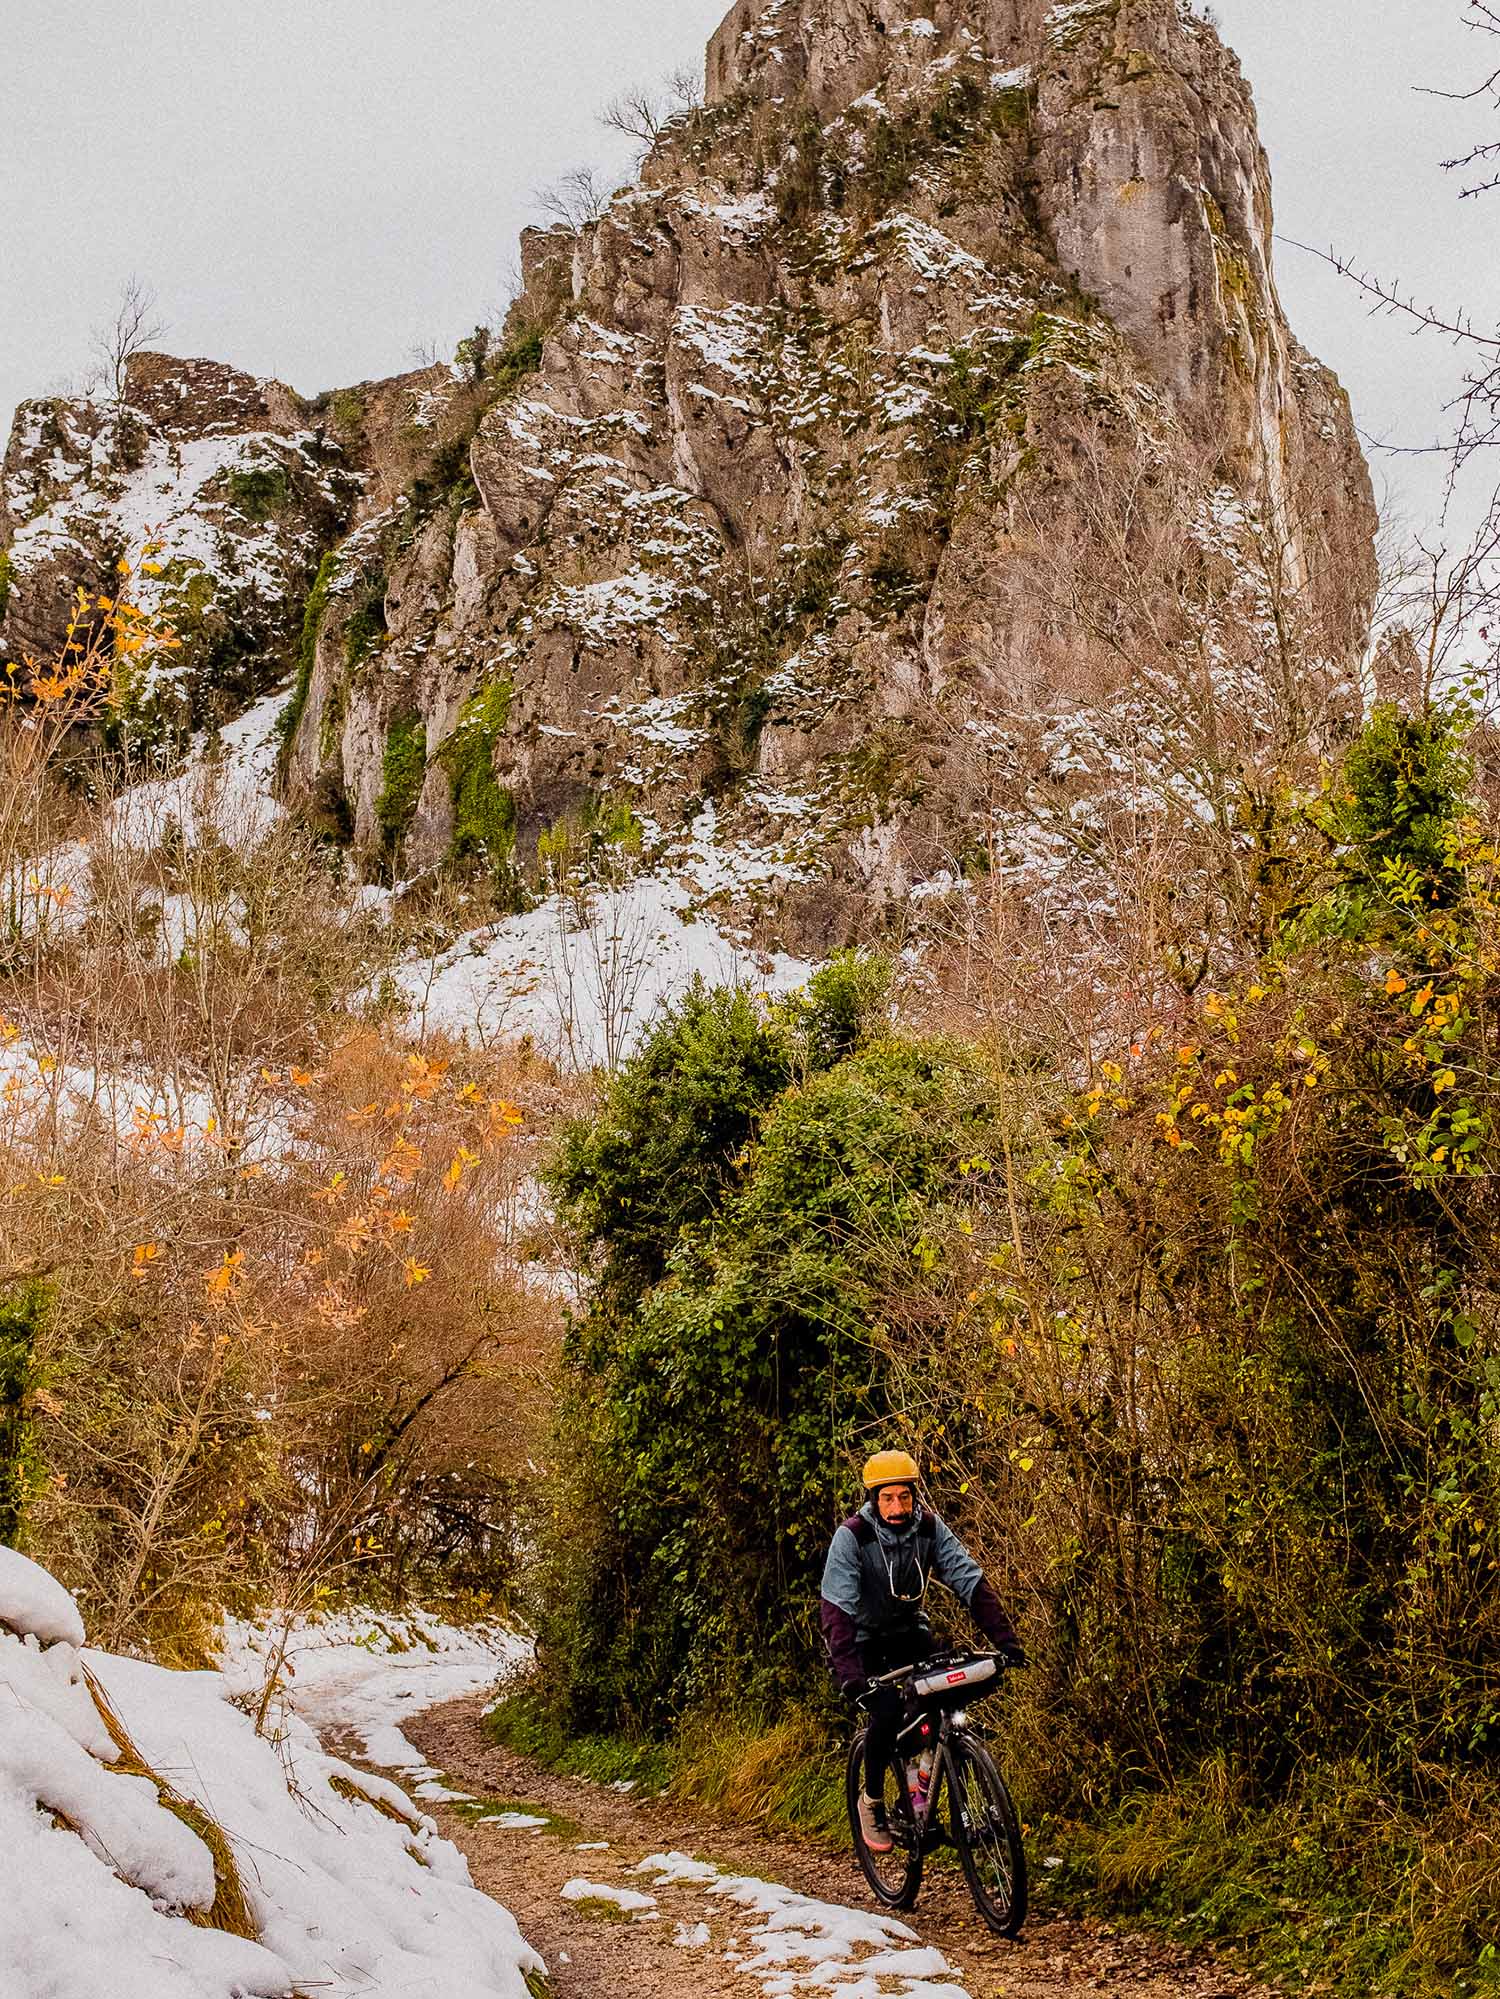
column 876, row 1577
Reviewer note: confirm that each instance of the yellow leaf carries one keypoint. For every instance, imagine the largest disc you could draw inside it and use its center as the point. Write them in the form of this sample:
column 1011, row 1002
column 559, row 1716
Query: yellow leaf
column 219, row 1282
column 416, row 1273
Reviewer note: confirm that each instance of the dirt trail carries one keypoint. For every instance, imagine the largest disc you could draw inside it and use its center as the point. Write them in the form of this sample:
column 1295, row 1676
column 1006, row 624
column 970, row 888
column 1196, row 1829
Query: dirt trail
column 595, row 1951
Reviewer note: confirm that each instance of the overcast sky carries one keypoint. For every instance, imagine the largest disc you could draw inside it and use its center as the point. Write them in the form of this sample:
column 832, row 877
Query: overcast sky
column 319, row 188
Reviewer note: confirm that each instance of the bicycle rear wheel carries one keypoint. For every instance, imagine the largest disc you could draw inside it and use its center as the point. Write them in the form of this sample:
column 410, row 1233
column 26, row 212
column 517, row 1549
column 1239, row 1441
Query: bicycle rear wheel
column 896, row 1876
column 987, row 1833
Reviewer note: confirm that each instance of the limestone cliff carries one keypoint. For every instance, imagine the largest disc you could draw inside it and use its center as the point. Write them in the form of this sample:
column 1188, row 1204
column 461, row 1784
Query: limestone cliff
column 739, row 523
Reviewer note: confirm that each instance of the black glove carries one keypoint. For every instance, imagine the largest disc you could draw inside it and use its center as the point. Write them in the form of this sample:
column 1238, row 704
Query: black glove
column 1013, row 1654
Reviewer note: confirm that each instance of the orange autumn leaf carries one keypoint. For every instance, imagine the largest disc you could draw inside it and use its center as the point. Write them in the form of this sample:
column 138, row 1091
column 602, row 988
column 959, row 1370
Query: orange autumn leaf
column 415, row 1273
column 220, row 1281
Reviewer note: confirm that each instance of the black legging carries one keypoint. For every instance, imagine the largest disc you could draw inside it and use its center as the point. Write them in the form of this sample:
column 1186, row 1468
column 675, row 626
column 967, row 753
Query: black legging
column 887, row 1707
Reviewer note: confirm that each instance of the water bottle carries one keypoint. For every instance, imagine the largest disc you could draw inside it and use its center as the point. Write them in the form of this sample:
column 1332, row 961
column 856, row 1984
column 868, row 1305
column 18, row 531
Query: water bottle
column 918, row 1777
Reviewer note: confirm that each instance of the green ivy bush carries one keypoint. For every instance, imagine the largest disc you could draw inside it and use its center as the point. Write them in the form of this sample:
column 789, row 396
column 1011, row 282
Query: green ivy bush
column 259, row 492
column 484, row 813
column 290, row 719
column 755, row 1181
column 1201, row 1354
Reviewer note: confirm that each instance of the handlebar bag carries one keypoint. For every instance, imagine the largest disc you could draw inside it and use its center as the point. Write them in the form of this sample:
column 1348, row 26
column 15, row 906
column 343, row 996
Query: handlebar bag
column 951, row 1679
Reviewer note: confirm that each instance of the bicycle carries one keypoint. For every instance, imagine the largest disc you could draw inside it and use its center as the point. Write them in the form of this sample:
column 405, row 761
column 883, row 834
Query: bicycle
column 985, row 1828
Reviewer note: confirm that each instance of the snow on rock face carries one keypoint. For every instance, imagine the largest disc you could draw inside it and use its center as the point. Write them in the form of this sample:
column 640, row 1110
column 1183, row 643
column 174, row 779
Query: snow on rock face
column 751, row 516
column 349, row 1887
column 34, row 1605
column 235, row 499
column 740, row 509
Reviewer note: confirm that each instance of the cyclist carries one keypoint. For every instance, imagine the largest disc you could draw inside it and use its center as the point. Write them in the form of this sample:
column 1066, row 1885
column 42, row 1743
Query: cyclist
column 874, row 1583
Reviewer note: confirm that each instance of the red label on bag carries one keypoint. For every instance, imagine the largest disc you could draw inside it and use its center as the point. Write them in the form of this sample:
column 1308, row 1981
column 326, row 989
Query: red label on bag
column 957, row 1679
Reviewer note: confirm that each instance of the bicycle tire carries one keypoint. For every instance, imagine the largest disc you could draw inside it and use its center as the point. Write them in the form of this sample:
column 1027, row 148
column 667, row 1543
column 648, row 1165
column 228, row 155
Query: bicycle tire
column 987, row 1833
column 896, row 1876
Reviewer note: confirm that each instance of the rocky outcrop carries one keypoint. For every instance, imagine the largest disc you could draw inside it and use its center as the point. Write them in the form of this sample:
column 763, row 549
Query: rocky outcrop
column 213, row 489
column 745, row 522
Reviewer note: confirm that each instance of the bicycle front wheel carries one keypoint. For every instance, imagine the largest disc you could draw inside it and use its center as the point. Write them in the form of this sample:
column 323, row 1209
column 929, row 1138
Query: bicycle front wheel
column 896, row 1876
column 987, row 1833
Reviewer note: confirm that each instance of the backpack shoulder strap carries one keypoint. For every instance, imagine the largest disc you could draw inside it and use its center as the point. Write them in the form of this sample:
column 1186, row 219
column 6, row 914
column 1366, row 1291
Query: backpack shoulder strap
column 927, row 1527
column 861, row 1529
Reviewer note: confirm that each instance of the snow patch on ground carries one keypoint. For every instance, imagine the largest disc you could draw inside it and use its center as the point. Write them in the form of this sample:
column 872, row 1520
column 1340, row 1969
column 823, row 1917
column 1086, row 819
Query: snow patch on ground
column 225, row 788
column 600, row 1891
column 799, row 1943
column 586, row 982
column 361, row 1674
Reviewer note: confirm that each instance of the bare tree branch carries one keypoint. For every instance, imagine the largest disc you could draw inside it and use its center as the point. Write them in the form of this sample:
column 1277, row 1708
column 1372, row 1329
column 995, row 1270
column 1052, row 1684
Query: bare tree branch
column 577, row 200
column 132, row 330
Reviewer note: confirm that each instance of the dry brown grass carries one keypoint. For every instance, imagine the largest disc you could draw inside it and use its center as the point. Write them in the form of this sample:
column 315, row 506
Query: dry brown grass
column 231, row 1908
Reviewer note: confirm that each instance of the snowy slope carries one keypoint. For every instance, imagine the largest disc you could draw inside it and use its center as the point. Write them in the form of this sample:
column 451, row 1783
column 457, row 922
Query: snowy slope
column 348, row 1888
column 584, row 985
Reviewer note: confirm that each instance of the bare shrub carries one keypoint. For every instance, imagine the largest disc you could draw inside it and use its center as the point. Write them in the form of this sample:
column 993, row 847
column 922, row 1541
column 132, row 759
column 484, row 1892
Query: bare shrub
column 642, row 114
column 134, row 328
column 577, row 200
column 281, row 1320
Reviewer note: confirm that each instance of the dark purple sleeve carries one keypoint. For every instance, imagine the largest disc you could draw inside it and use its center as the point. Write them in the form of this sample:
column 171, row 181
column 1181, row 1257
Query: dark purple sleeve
column 843, row 1649
column 986, row 1611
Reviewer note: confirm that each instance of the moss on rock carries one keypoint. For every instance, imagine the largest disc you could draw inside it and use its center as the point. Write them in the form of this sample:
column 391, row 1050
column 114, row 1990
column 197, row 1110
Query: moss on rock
column 403, row 768
column 290, row 718
column 484, row 812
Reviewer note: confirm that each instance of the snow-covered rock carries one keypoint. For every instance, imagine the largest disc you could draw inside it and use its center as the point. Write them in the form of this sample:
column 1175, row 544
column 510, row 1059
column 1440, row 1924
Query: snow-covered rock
column 219, row 495
column 113, row 1776
column 34, row 1604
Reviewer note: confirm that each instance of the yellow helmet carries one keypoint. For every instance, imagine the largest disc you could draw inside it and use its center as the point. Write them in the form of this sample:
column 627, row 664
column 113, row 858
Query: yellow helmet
column 891, row 1468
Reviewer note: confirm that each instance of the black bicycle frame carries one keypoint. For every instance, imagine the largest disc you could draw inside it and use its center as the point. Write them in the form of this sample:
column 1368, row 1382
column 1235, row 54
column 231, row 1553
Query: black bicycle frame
column 942, row 1759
